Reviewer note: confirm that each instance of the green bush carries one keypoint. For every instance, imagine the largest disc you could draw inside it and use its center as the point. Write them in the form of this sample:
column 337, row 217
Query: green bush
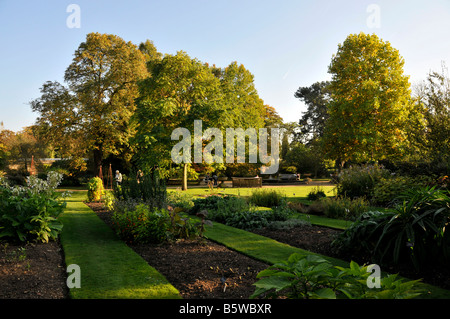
column 211, row 203
column 359, row 181
column 149, row 188
column 142, row 225
column 248, row 219
column 267, row 197
column 387, row 189
column 312, row 277
column 228, row 207
column 236, row 212
column 344, row 208
column 31, row 213
column 95, row 189
column 136, row 222
column 414, row 232
column 182, row 200
column 316, row 193
column 109, row 200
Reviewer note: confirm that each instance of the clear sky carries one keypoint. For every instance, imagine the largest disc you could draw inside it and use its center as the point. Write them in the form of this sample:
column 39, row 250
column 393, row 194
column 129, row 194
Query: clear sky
column 285, row 44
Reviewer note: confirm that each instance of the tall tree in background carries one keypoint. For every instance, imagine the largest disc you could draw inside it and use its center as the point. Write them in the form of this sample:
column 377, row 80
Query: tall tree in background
column 242, row 103
column 312, row 123
column 179, row 91
column 371, row 101
column 433, row 95
column 94, row 111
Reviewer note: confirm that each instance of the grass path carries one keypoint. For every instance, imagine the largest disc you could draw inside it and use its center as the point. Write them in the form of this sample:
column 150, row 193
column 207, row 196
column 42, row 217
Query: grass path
column 109, row 268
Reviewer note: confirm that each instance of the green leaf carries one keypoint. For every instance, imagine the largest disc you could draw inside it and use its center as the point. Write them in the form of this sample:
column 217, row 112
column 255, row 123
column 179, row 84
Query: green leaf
column 274, row 282
column 324, row 293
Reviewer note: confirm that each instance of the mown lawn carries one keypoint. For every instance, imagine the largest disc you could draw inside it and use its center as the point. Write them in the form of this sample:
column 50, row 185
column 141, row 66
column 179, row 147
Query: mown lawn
column 109, row 268
column 292, row 193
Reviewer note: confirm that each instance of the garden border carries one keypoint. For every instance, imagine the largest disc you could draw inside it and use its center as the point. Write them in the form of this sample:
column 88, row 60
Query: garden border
column 91, row 244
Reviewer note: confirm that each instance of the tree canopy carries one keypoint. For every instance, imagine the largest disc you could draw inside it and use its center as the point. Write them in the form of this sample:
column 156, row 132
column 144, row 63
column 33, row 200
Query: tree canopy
column 92, row 113
column 180, row 90
column 312, row 123
column 371, row 101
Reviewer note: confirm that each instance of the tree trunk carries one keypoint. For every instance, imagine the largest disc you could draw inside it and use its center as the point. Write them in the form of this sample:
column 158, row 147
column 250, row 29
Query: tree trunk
column 184, row 180
column 98, row 159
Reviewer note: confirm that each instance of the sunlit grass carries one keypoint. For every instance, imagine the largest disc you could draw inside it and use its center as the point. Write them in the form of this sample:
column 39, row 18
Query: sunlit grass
column 292, row 193
column 109, row 268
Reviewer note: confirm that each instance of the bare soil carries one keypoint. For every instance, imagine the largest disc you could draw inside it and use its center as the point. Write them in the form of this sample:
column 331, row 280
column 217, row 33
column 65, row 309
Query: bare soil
column 32, row 271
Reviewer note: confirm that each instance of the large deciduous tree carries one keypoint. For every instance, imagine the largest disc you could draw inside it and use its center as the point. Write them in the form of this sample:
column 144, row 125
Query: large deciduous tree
column 180, row 90
column 93, row 112
column 371, row 101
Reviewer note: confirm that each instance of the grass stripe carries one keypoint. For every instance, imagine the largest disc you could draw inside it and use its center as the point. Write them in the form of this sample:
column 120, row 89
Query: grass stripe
column 109, row 268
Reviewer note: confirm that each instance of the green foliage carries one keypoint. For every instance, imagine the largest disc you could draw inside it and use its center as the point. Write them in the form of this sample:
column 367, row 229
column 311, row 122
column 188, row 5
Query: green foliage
column 312, row 277
column 316, row 97
column 316, row 193
column 388, row 188
column 92, row 112
column 344, row 208
column 433, row 99
column 209, row 203
column 371, row 109
column 141, row 225
column 360, row 180
column 414, row 232
column 267, row 197
column 109, row 200
column 236, row 212
column 360, row 238
column 31, row 213
column 181, row 200
column 95, row 189
column 182, row 89
column 227, row 208
column 149, row 188
column 307, row 158
column 248, row 219
column 137, row 222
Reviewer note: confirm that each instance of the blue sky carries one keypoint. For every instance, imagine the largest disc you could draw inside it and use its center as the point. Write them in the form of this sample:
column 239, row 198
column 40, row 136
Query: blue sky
column 285, row 44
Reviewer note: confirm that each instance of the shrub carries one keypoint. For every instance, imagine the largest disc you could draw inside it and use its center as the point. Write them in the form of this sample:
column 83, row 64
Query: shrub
column 30, row 213
column 183, row 201
column 344, row 208
column 339, row 207
column 228, row 207
column 236, row 212
column 267, row 197
column 387, row 189
column 109, row 200
column 95, row 189
column 414, row 232
column 280, row 213
column 316, row 193
column 142, row 225
column 360, row 238
column 248, row 219
column 312, row 277
column 359, row 181
column 149, row 188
